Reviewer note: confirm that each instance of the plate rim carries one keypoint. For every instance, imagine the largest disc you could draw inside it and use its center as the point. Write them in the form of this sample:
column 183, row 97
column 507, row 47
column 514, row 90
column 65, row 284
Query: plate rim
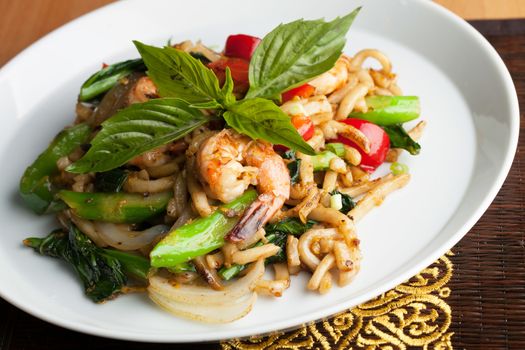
column 314, row 316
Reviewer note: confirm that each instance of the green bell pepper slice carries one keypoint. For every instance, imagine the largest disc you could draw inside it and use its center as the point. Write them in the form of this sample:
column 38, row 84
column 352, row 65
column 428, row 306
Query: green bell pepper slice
column 107, row 77
column 201, row 236
column 389, row 110
column 36, row 188
column 130, row 208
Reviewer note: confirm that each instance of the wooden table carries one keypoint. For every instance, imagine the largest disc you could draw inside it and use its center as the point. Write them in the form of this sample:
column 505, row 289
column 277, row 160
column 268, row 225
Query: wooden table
column 488, row 285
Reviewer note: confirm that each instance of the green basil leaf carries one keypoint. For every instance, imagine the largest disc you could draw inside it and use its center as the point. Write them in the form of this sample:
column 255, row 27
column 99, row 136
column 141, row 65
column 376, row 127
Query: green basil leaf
column 107, row 77
column 399, row 138
column 277, row 234
column 137, row 129
column 289, row 226
column 262, row 119
column 227, row 88
column 227, row 91
column 178, row 74
column 296, row 52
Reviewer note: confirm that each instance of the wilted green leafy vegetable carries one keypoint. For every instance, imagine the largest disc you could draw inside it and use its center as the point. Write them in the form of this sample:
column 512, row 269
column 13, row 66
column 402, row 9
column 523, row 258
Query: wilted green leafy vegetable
column 102, row 271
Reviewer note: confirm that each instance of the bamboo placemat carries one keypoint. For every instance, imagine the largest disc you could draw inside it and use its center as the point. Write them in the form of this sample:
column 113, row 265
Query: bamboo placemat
column 480, row 304
column 488, row 285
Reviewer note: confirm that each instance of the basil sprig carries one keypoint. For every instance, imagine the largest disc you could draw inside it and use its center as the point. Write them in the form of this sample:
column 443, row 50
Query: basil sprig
column 288, row 56
column 178, row 74
column 296, row 52
column 137, row 129
column 262, row 119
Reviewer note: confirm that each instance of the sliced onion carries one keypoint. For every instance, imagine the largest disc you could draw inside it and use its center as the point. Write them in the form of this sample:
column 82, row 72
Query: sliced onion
column 204, row 295
column 122, row 237
column 89, row 230
column 236, row 309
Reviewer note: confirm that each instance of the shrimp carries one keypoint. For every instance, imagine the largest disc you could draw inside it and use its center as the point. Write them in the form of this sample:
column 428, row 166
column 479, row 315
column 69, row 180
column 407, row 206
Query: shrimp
column 332, row 80
column 229, row 162
column 143, row 90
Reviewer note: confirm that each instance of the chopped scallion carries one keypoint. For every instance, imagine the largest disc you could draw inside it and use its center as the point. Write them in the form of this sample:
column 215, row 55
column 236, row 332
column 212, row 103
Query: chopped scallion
column 336, row 201
column 399, row 168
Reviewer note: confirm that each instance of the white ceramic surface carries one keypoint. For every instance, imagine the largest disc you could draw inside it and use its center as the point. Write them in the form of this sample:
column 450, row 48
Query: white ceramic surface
column 467, row 97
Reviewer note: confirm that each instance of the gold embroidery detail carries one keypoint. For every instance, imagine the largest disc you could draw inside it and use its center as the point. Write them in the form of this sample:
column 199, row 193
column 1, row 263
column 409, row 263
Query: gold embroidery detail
column 414, row 314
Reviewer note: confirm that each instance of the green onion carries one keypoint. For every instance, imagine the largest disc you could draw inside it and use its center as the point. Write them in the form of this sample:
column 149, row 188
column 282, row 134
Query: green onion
column 321, row 161
column 337, row 148
column 399, row 168
column 227, row 273
column 336, row 201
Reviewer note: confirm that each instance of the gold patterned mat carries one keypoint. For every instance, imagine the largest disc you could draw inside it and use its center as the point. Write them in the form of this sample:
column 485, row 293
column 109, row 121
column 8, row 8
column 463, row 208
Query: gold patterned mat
column 414, row 314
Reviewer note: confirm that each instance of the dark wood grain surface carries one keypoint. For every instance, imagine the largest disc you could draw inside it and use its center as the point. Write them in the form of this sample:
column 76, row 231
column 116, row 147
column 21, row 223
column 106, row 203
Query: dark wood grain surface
column 488, row 287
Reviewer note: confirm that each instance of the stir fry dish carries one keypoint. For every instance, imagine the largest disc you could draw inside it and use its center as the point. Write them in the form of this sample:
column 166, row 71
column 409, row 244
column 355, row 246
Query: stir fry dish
column 188, row 173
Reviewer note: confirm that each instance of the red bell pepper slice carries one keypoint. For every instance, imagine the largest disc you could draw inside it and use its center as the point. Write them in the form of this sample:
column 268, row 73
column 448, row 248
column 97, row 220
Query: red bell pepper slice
column 304, row 91
column 304, row 126
column 239, row 70
column 379, row 143
column 241, row 46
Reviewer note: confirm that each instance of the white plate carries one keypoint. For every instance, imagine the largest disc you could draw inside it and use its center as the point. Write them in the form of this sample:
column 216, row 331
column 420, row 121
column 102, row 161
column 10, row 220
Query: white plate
column 467, row 97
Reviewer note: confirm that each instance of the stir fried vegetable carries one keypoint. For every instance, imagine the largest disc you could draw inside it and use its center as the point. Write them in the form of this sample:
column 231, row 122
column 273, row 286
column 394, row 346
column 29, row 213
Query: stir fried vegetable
column 321, row 161
column 337, row 148
column 101, row 274
column 111, row 181
column 107, row 77
column 137, row 129
column 399, row 168
column 200, row 236
column 293, row 165
column 275, row 234
column 36, row 186
column 133, row 264
column 116, row 207
column 241, row 45
column 379, row 143
column 304, row 126
column 347, row 203
column 389, row 110
column 399, row 138
column 304, row 91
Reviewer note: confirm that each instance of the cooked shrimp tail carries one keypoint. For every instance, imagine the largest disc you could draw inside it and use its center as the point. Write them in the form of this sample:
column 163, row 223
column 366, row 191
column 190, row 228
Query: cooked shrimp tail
column 257, row 214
